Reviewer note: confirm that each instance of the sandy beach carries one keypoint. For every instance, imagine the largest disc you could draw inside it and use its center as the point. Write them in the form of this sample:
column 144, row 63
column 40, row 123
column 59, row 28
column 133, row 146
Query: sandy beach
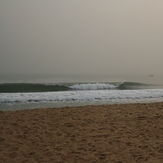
column 122, row 133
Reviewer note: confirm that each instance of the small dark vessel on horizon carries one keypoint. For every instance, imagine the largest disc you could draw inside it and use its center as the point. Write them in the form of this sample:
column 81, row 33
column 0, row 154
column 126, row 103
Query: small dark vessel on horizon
column 151, row 75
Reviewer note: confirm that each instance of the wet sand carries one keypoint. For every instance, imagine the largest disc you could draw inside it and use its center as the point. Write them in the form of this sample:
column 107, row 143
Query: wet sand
column 123, row 133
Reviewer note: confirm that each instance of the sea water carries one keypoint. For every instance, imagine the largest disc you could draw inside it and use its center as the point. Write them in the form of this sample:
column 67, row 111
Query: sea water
column 42, row 91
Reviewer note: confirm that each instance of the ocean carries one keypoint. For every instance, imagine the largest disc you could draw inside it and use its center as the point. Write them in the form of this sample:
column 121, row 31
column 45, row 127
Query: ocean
column 32, row 91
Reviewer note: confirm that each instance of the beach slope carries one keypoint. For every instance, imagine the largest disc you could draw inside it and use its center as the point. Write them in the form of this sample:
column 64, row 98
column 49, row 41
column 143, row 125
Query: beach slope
column 122, row 133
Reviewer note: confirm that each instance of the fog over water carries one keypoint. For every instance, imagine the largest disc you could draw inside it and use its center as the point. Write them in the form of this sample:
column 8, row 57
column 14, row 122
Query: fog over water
column 110, row 38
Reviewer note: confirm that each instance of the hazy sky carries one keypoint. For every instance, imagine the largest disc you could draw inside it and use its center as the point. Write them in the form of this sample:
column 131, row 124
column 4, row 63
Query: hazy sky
column 81, row 36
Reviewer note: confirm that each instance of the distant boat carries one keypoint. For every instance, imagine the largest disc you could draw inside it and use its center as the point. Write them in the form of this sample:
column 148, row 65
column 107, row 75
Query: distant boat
column 151, row 75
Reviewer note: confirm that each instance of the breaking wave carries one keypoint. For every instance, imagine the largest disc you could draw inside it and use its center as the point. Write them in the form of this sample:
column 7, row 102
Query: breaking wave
column 41, row 87
column 97, row 86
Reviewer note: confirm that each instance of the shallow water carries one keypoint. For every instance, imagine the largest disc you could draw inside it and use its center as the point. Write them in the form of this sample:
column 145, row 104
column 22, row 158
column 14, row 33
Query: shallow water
column 42, row 91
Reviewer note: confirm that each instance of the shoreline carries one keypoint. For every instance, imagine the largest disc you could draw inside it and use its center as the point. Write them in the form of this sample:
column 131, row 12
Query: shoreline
column 94, row 133
column 31, row 106
column 82, row 105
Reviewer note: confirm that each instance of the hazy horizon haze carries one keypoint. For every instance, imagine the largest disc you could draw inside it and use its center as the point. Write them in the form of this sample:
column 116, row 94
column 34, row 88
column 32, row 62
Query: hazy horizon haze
column 81, row 37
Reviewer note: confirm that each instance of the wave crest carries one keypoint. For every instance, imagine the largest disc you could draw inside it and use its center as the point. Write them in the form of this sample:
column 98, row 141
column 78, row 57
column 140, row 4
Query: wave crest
column 89, row 86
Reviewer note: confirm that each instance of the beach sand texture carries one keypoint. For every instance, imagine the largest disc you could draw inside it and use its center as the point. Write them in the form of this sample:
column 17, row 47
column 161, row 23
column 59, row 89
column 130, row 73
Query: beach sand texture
column 122, row 133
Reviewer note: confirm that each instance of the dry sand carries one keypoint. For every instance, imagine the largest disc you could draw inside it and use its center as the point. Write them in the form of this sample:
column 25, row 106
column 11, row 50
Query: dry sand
column 126, row 133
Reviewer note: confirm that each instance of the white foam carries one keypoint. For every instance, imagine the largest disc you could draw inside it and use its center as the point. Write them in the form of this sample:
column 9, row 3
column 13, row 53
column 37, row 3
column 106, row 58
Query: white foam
column 72, row 96
column 89, row 86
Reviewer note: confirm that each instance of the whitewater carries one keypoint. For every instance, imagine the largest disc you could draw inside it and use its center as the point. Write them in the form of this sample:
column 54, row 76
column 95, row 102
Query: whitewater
column 80, row 95
column 15, row 101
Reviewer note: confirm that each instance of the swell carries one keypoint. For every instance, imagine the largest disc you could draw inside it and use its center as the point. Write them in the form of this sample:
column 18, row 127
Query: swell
column 38, row 87
column 133, row 85
column 30, row 87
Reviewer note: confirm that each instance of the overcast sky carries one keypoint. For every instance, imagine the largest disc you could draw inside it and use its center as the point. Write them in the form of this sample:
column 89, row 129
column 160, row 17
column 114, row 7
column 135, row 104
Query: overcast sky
column 81, row 36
